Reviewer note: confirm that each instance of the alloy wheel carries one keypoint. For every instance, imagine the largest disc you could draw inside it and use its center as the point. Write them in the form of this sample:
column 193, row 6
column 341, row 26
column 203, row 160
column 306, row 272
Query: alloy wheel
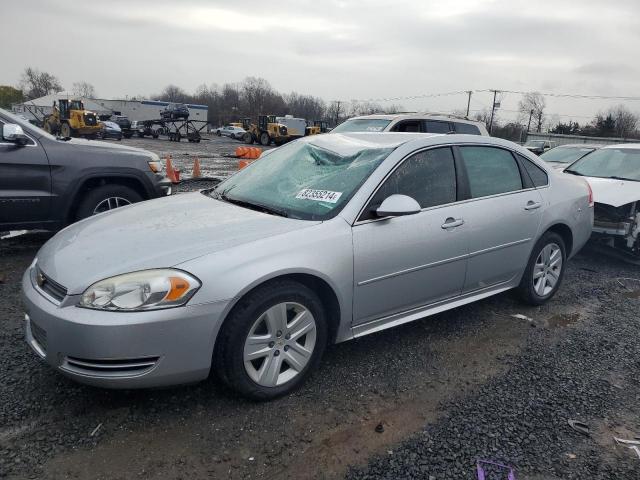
column 547, row 269
column 110, row 203
column 280, row 344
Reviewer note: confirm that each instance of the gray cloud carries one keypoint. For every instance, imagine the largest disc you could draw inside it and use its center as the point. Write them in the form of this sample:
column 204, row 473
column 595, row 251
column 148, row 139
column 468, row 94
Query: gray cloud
column 334, row 49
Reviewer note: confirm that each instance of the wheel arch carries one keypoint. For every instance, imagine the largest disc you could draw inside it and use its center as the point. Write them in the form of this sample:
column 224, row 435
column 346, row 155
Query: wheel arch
column 315, row 282
column 95, row 181
column 565, row 233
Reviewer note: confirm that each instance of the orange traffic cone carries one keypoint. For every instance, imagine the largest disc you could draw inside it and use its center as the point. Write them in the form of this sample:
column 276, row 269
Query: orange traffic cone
column 244, row 163
column 171, row 173
column 196, row 169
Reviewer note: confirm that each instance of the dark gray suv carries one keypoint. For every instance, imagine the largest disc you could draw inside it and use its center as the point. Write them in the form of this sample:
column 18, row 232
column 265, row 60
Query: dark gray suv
column 48, row 182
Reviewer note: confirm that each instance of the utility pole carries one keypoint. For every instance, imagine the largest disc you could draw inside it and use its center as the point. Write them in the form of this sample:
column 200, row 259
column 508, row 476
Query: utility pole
column 469, row 92
column 493, row 109
column 529, row 125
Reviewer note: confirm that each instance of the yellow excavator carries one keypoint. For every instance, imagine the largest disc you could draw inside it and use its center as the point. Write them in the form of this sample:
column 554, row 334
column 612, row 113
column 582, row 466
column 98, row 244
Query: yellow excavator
column 70, row 119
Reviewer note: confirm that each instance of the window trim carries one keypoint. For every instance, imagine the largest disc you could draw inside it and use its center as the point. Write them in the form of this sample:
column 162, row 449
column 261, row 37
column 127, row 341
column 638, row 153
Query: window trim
column 525, row 172
column 461, row 174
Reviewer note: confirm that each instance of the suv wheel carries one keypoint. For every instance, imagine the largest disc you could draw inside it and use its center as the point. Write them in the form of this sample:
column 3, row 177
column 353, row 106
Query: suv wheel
column 272, row 340
column 545, row 270
column 105, row 198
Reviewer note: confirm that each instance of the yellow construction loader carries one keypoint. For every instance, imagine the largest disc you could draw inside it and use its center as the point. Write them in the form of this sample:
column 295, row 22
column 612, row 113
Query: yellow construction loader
column 319, row 126
column 70, row 119
column 266, row 131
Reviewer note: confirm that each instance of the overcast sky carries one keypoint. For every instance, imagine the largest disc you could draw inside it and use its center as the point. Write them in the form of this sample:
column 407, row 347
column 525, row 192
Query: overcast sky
column 334, row 49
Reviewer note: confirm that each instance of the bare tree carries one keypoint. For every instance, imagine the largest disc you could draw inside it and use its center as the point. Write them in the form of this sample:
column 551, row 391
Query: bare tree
column 335, row 112
column 533, row 103
column 84, row 90
column 173, row 93
column 626, row 121
column 35, row 83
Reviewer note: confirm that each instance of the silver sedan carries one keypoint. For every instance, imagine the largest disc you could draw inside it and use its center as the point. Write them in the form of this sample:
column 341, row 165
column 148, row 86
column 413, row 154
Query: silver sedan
column 328, row 238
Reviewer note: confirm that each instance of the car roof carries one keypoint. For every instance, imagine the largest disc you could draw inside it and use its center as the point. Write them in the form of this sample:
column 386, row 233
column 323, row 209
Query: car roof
column 595, row 146
column 354, row 142
column 623, row 145
column 415, row 116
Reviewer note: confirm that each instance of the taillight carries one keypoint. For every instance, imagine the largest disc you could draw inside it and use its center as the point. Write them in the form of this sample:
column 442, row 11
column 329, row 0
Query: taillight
column 590, row 194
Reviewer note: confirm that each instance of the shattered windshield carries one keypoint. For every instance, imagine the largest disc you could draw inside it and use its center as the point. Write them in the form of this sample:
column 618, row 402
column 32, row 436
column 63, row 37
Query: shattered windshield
column 621, row 163
column 565, row 154
column 301, row 180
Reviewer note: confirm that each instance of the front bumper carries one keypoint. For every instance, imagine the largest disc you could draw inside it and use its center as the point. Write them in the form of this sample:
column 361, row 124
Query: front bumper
column 121, row 349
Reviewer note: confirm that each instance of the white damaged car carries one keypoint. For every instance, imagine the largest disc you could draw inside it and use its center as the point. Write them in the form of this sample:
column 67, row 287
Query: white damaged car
column 613, row 172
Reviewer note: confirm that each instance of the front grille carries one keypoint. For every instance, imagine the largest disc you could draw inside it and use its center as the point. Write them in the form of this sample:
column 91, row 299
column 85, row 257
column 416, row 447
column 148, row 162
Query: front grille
column 110, row 368
column 90, row 119
column 39, row 335
column 48, row 286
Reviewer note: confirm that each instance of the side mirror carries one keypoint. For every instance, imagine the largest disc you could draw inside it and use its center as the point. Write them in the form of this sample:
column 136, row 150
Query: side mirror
column 13, row 133
column 397, row 206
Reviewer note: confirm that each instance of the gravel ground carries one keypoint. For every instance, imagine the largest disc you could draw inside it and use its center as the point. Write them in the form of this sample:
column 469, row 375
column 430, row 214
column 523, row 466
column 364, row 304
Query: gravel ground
column 589, row 373
column 216, row 154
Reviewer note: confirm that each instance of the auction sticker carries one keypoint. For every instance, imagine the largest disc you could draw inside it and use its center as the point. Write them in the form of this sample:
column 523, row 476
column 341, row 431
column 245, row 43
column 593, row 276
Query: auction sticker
column 319, row 195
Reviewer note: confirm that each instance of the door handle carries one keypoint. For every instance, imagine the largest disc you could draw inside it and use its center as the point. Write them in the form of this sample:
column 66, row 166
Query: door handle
column 452, row 223
column 531, row 205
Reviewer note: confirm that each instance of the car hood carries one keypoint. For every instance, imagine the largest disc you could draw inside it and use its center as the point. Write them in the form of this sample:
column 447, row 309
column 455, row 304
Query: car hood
column 614, row 192
column 82, row 143
column 153, row 234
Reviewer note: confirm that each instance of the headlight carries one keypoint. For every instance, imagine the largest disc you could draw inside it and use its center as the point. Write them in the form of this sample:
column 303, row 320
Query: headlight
column 155, row 166
column 145, row 290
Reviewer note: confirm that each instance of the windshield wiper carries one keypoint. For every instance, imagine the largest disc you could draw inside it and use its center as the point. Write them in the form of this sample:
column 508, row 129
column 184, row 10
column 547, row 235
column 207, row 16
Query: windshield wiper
column 255, row 206
column 573, row 172
column 615, row 177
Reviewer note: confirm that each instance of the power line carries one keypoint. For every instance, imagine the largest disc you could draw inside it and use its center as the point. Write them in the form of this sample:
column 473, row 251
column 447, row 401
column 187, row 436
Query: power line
column 519, row 92
column 571, row 95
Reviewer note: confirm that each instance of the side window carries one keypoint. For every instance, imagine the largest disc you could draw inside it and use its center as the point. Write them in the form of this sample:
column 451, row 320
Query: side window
column 435, row 126
column 467, row 128
column 491, row 171
column 538, row 176
column 407, row 126
column 429, row 177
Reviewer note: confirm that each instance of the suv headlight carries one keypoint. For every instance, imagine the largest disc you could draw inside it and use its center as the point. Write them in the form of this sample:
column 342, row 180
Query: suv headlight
column 144, row 290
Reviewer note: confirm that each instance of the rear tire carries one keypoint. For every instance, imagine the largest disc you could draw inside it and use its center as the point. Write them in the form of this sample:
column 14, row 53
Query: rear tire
column 94, row 200
column 248, row 138
column 545, row 270
column 230, row 357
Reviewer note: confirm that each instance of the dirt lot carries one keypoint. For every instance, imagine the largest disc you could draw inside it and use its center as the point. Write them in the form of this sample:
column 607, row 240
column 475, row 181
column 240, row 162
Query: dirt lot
column 471, row 383
column 215, row 153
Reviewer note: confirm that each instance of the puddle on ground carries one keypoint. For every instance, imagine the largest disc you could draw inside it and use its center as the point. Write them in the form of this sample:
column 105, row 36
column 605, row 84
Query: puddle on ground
column 561, row 320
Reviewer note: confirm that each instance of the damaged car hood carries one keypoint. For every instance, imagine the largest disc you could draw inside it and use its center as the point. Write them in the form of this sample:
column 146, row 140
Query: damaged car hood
column 154, row 234
column 614, row 192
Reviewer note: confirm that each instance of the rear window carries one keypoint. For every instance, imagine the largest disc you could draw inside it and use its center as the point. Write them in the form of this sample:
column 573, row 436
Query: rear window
column 362, row 125
column 467, row 128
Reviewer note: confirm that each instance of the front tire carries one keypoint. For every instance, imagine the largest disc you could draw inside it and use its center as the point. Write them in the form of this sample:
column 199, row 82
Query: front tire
column 265, row 140
column 545, row 270
column 105, row 198
column 65, row 130
column 272, row 340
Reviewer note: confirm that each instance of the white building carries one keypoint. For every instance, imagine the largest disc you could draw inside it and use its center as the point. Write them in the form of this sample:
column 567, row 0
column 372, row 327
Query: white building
column 133, row 109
